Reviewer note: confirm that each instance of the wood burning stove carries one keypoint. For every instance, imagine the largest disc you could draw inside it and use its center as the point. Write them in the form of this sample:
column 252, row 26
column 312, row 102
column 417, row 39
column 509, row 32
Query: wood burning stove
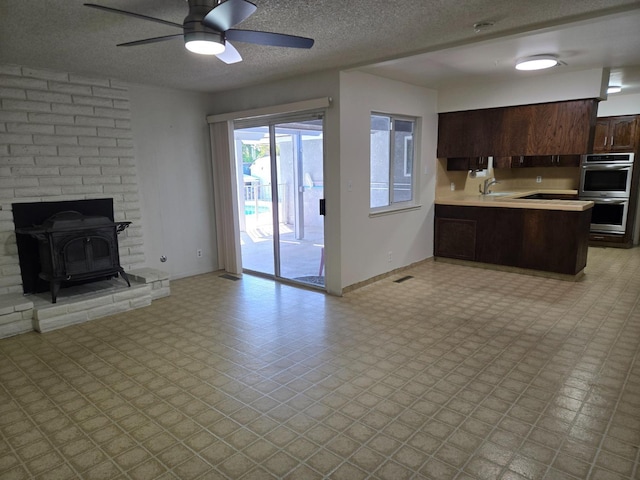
column 75, row 247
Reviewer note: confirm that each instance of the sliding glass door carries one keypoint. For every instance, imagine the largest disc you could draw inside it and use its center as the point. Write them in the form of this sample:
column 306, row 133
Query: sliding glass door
column 280, row 167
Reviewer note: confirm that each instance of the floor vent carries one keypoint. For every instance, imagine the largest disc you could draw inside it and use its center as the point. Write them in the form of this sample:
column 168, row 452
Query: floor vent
column 229, row 277
column 403, row 279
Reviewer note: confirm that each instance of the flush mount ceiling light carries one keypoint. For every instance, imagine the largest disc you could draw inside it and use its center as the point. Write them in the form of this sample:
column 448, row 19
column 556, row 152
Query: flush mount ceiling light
column 614, row 89
column 537, row 62
column 204, row 43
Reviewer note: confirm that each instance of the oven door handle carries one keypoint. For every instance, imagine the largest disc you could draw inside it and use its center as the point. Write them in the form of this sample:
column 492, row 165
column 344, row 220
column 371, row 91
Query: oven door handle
column 608, row 167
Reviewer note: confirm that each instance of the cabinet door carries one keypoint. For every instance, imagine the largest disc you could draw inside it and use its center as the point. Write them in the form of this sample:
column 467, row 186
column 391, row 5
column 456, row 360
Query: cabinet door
column 513, row 139
column 548, row 128
column 502, row 162
column 574, row 126
column 458, row 163
column 526, row 161
column 521, row 161
column 553, row 161
column 567, row 161
column 546, row 245
column 540, row 161
column 601, row 137
column 467, row 163
column 467, row 133
column 622, row 132
column 542, row 135
column 455, row 238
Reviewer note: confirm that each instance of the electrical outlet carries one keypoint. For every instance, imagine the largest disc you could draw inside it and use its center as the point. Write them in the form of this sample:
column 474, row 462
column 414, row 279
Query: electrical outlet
column 538, row 179
column 199, row 253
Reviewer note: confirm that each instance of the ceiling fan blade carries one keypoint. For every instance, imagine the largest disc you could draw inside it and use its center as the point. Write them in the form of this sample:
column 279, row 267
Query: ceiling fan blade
column 131, row 14
column 230, row 54
column 149, row 40
column 227, row 14
column 268, row 38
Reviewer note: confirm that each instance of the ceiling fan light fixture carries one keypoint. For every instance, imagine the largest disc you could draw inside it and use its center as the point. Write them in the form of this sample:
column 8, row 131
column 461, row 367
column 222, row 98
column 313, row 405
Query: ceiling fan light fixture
column 537, row 62
column 204, row 43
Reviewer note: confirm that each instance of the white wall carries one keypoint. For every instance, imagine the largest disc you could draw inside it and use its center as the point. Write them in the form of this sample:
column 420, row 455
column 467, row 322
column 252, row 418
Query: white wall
column 619, row 104
column 172, row 149
column 367, row 240
column 528, row 88
column 357, row 246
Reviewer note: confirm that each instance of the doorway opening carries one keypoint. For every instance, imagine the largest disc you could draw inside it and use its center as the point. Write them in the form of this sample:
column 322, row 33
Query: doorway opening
column 280, row 167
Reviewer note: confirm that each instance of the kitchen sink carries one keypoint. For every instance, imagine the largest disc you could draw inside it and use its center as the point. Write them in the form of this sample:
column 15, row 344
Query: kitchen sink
column 496, row 194
column 550, row 196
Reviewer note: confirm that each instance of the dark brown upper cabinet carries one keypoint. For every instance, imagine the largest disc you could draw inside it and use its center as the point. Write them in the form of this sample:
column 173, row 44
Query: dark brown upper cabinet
column 558, row 128
column 616, row 134
column 525, row 161
column 467, row 163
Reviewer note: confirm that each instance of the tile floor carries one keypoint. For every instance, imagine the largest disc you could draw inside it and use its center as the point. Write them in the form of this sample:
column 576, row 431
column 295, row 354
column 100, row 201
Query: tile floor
column 458, row 372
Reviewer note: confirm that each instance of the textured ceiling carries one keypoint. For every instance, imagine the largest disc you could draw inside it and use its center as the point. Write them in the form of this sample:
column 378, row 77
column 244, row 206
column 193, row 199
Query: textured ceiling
column 66, row 36
column 610, row 41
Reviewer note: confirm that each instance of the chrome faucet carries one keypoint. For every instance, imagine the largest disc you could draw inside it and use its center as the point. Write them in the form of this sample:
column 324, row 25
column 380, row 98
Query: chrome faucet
column 484, row 189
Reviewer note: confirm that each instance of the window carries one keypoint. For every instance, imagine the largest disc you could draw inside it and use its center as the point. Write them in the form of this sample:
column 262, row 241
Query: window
column 392, row 160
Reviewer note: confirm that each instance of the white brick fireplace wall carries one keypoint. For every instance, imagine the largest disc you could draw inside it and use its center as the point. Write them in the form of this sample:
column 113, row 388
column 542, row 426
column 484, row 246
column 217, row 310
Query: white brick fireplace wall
column 64, row 137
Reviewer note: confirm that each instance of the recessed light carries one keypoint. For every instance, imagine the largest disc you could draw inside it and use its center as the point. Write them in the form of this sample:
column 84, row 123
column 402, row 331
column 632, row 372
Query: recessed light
column 614, row 89
column 537, row 62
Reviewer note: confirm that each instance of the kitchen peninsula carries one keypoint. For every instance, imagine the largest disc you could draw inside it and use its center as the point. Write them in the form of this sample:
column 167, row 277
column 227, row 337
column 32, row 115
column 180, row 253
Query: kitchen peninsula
column 534, row 221
column 539, row 230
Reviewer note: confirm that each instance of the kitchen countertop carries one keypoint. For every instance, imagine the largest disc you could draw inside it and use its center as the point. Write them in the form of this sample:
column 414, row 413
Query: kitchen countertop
column 512, row 199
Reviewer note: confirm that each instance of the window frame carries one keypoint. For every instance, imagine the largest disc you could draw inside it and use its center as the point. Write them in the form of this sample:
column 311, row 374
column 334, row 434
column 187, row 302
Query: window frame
column 413, row 169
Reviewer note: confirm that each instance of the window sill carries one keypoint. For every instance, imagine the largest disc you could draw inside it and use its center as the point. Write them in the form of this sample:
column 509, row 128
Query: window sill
column 391, row 210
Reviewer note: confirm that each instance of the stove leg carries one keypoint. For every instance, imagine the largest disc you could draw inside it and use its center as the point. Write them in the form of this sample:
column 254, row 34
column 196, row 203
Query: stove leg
column 125, row 276
column 55, row 288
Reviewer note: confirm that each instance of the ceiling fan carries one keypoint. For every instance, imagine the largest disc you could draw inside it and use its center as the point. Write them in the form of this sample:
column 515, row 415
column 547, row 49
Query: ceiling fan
column 207, row 29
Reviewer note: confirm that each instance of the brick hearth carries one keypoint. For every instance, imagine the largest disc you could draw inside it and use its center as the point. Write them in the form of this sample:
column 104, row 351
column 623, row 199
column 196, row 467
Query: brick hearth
column 82, row 303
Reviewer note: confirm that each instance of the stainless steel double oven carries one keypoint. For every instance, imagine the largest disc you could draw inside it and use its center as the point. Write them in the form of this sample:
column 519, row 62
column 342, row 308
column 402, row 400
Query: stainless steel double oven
column 605, row 179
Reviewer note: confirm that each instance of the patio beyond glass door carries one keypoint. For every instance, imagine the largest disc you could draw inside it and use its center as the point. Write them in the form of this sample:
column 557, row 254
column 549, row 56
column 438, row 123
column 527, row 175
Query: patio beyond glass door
column 282, row 232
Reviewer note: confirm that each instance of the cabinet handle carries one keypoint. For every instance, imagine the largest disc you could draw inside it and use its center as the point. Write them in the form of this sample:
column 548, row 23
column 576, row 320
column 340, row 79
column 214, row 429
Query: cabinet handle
column 605, row 141
column 611, row 141
column 521, row 159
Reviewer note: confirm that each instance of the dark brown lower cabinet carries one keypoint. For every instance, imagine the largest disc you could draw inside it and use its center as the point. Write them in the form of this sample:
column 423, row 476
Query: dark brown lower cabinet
column 457, row 238
column 547, row 240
